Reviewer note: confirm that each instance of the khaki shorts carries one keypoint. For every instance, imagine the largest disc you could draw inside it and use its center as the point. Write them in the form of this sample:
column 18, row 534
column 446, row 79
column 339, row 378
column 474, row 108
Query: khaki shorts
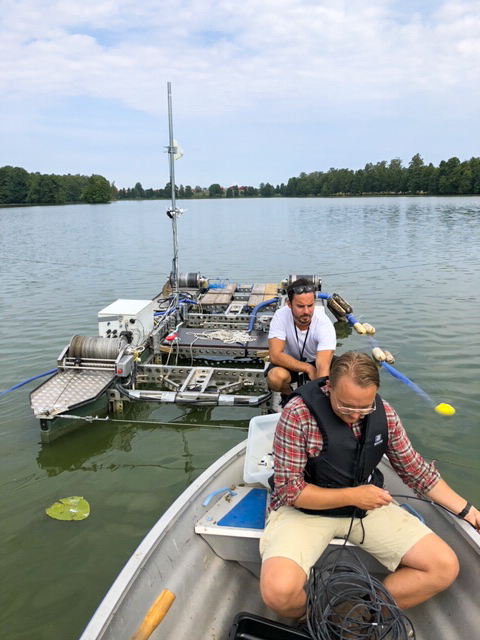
column 388, row 533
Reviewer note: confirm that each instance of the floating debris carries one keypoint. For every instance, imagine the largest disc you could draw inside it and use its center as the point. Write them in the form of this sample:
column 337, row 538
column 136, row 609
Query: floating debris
column 72, row 508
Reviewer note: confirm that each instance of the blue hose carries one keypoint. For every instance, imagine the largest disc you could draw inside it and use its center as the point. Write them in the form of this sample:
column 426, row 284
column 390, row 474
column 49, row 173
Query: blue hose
column 407, row 381
column 20, row 384
column 392, row 371
column 324, row 296
column 351, row 318
column 253, row 315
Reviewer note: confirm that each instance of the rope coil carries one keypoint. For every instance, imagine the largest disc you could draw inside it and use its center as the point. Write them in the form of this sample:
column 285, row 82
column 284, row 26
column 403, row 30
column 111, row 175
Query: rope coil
column 224, row 335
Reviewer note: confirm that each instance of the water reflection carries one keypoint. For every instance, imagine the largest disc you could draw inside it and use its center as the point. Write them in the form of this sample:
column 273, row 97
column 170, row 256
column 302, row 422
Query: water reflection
column 87, row 448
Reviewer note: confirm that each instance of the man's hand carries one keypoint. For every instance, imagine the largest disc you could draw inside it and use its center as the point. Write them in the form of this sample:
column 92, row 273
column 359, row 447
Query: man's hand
column 473, row 517
column 368, row 496
column 311, row 371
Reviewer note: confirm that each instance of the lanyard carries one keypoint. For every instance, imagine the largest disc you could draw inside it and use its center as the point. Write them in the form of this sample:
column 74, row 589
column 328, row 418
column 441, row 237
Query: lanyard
column 304, row 342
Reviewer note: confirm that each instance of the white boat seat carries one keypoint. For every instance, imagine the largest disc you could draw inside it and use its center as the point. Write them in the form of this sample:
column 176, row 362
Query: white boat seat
column 232, row 527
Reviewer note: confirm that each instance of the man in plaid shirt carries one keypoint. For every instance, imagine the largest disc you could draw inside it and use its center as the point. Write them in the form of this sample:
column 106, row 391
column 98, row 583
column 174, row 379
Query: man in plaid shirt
column 326, row 451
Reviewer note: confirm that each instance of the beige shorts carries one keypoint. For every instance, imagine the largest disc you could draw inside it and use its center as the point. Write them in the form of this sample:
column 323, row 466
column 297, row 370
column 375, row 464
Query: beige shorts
column 388, row 533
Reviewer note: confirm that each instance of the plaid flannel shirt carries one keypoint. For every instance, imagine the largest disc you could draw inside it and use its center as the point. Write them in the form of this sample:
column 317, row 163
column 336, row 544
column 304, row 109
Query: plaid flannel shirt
column 297, row 438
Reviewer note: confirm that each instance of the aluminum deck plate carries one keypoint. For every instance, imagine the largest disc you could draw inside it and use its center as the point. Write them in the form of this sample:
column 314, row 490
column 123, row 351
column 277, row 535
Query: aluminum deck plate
column 66, row 390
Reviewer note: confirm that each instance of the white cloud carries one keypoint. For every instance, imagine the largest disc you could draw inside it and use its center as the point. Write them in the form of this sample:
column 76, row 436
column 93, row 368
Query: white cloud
column 271, row 61
column 268, row 49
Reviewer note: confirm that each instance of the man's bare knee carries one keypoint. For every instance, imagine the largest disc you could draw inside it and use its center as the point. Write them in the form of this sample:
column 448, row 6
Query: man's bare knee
column 277, row 378
column 445, row 570
column 282, row 584
column 436, row 564
column 278, row 594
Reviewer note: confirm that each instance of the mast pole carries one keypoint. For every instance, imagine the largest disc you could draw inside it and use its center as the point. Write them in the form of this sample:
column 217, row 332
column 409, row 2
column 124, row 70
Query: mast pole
column 173, row 210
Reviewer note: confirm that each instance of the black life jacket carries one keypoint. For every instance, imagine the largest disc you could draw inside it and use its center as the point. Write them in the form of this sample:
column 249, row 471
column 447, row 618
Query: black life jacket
column 345, row 461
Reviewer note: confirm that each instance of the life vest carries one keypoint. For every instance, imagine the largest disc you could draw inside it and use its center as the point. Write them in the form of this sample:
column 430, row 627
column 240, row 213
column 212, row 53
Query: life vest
column 345, row 461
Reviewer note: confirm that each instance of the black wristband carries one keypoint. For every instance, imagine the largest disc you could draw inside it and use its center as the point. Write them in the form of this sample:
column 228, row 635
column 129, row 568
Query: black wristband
column 465, row 510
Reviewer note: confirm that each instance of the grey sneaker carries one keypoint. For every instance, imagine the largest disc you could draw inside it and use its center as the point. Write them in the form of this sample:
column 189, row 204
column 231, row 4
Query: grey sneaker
column 276, row 406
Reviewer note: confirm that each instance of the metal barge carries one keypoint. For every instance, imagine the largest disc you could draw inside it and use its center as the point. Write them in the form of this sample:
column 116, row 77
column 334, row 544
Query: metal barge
column 198, row 343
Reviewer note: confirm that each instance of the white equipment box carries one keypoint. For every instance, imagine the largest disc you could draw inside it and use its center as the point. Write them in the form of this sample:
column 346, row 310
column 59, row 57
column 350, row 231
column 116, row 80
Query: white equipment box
column 127, row 315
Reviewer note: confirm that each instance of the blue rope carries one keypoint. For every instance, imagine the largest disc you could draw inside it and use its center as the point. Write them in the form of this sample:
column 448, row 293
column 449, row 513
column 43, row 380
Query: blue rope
column 20, row 384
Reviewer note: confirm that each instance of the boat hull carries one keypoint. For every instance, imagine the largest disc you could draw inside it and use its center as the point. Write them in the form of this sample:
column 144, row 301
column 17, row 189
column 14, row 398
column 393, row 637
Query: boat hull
column 210, row 591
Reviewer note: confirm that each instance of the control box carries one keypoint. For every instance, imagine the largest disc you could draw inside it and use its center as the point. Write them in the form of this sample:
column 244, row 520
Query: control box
column 135, row 316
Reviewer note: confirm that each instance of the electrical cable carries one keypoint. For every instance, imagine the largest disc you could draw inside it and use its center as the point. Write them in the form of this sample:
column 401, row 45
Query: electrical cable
column 345, row 601
column 436, row 504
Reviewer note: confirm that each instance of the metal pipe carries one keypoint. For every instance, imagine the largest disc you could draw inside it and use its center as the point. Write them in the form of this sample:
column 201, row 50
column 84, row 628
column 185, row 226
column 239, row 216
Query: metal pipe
column 173, row 211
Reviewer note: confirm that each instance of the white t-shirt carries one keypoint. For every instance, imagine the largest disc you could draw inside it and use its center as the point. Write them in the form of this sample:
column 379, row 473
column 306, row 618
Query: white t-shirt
column 321, row 336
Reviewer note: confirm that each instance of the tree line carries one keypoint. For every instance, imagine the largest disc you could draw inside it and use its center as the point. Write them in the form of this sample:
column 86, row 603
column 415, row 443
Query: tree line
column 451, row 177
column 18, row 186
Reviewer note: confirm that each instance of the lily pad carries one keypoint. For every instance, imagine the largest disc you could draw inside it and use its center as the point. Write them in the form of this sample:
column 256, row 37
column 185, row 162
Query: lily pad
column 73, row 508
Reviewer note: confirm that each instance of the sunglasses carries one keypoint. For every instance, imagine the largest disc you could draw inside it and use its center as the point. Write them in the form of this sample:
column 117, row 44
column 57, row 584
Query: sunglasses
column 306, row 288
column 361, row 412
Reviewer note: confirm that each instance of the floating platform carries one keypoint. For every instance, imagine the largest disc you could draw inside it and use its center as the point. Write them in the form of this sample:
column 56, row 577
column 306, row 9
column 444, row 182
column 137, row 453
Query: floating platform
column 204, row 344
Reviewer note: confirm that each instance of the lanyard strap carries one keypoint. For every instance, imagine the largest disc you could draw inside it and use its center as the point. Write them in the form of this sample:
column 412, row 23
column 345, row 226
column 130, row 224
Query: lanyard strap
column 304, row 342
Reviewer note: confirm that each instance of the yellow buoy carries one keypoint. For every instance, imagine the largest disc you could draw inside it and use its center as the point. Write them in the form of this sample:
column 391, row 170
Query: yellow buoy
column 359, row 328
column 368, row 328
column 389, row 359
column 445, row 409
column 378, row 354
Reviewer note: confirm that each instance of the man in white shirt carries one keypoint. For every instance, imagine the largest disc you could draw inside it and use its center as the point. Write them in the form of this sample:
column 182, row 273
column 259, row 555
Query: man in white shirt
column 301, row 340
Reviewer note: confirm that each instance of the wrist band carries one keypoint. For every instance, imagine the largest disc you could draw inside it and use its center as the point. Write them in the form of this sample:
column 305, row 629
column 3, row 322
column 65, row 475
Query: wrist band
column 465, row 510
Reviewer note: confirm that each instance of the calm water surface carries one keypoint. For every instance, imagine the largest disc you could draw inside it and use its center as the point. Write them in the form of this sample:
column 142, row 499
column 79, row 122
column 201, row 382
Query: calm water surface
column 409, row 266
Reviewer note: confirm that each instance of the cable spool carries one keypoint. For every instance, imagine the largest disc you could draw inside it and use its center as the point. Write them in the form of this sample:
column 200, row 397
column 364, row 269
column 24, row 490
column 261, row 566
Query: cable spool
column 188, row 280
column 317, row 281
column 97, row 348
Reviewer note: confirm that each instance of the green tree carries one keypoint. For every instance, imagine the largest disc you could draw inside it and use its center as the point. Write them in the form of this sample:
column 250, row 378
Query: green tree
column 97, row 190
column 14, row 185
column 215, row 191
column 415, row 174
column 46, row 189
column 267, row 190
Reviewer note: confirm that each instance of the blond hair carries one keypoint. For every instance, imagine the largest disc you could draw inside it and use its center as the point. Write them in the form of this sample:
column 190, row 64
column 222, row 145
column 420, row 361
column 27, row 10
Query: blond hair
column 360, row 366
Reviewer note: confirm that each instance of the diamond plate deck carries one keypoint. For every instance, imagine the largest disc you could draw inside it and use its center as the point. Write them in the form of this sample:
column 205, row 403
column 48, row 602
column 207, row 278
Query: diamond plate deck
column 68, row 389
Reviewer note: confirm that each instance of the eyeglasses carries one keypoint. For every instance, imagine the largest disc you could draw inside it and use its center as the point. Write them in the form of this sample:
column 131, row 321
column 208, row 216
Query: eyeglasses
column 305, row 288
column 361, row 412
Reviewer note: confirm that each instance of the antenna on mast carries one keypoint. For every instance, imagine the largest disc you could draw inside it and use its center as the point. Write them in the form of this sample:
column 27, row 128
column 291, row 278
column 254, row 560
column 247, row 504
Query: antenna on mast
column 173, row 212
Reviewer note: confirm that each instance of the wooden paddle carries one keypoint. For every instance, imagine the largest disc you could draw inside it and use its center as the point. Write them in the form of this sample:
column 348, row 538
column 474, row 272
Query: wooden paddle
column 155, row 615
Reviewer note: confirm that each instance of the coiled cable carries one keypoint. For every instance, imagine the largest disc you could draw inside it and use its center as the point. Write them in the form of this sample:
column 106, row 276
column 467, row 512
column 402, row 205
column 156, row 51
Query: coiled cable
column 345, row 602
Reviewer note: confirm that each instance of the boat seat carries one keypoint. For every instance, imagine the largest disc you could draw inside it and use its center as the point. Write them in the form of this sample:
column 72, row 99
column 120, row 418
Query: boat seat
column 234, row 524
column 261, row 293
column 218, row 296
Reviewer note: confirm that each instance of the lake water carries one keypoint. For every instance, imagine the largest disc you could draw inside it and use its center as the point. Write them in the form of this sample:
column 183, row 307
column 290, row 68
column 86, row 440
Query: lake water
column 409, row 266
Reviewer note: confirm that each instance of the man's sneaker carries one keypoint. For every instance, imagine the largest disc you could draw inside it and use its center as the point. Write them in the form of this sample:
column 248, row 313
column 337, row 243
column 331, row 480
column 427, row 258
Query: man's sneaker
column 276, row 402
column 348, row 621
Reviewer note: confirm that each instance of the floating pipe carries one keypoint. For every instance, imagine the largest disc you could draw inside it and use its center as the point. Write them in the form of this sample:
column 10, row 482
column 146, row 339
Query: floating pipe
column 20, row 384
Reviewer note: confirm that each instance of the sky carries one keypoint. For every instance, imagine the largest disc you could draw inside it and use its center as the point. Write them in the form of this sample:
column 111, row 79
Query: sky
column 262, row 90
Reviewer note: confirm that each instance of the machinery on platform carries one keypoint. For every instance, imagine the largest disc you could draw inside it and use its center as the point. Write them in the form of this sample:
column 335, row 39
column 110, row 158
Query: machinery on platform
column 205, row 344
